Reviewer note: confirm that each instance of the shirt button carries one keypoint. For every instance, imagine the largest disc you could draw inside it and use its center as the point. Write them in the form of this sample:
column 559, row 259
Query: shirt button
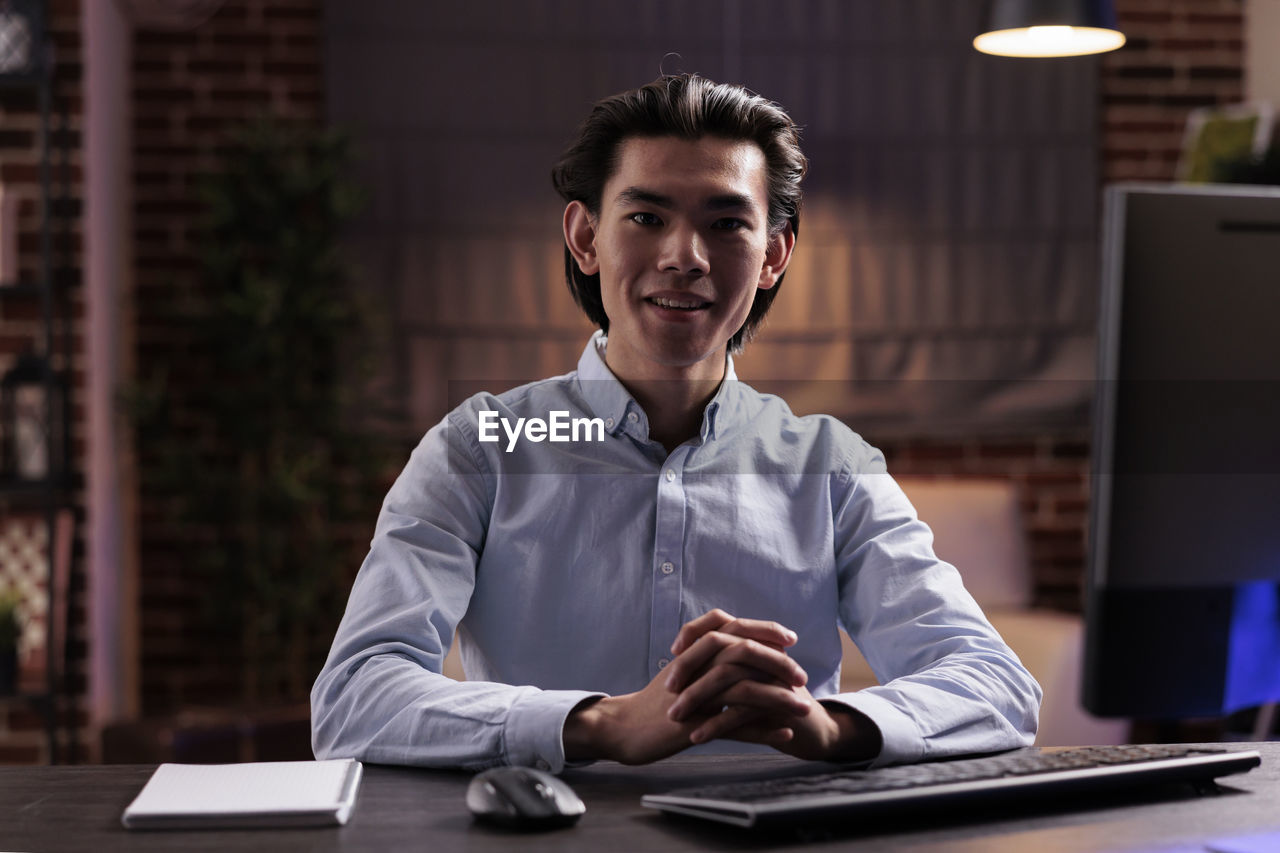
column 662, row 664
column 667, row 568
column 608, row 423
column 671, row 475
column 633, row 417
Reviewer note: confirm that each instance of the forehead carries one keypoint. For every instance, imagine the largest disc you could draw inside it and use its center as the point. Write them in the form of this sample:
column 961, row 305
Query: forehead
column 707, row 166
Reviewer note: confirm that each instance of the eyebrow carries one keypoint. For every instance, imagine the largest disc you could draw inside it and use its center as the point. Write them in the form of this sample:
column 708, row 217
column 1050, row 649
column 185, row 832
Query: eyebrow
column 726, row 201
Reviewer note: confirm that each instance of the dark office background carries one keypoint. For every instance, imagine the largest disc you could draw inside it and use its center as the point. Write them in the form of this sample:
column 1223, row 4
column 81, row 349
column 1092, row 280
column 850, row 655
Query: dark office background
column 950, row 232
column 945, row 273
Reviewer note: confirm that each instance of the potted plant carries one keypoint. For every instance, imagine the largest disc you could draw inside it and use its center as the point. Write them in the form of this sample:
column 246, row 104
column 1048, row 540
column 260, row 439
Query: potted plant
column 263, row 451
column 10, row 631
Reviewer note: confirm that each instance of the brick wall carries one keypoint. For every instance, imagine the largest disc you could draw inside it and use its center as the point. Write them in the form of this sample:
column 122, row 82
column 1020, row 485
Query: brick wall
column 22, row 735
column 190, row 87
column 1181, row 54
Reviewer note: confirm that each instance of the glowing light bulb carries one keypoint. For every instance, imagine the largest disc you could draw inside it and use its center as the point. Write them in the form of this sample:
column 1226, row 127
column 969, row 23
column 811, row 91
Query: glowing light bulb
column 1045, row 41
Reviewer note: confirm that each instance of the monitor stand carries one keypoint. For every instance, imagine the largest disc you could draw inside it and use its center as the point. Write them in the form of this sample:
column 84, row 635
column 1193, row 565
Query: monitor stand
column 1263, row 722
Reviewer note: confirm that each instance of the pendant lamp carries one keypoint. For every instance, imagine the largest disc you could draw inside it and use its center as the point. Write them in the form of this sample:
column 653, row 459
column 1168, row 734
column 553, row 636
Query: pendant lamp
column 1041, row 28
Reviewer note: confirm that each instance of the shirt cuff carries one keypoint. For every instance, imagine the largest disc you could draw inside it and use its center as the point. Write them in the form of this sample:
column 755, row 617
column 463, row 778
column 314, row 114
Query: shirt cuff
column 902, row 741
column 535, row 726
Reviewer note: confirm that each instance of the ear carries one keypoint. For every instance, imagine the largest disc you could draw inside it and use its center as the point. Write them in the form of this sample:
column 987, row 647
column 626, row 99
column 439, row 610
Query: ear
column 776, row 257
column 580, row 237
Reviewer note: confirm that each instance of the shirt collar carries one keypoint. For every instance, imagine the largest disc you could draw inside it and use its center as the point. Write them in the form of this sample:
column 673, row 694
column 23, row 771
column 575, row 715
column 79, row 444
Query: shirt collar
column 713, row 422
column 603, row 392
column 609, row 398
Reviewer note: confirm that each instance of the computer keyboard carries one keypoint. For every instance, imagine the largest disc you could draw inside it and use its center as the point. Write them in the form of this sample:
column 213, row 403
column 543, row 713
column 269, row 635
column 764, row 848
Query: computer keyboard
column 1021, row 773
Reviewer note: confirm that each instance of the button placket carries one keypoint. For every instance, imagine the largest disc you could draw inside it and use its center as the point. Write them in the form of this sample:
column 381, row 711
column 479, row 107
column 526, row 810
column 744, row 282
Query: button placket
column 668, row 552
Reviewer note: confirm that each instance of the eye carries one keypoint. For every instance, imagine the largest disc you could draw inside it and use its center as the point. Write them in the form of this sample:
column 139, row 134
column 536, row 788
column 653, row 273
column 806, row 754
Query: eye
column 644, row 218
column 728, row 224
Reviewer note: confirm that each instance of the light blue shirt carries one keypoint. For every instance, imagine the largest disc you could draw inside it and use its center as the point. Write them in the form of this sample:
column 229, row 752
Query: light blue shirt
column 568, row 567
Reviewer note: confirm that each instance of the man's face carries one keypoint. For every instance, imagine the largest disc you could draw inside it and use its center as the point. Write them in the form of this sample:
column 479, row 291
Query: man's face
column 681, row 245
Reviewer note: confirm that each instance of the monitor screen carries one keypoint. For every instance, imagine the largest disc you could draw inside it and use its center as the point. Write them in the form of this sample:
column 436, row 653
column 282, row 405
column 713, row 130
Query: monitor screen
column 1183, row 588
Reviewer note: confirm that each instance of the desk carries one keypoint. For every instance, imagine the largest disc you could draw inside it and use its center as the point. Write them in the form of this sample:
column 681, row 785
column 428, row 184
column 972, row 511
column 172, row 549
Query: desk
column 78, row 808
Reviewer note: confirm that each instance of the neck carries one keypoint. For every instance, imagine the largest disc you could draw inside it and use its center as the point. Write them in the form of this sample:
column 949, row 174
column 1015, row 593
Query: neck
column 674, row 399
column 674, row 409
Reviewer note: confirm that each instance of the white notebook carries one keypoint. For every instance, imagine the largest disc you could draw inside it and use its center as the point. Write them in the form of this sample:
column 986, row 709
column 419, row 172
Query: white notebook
column 261, row 794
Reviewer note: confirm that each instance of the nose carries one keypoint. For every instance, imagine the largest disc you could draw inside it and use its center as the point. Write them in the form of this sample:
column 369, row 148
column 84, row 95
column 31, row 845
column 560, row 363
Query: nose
column 684, row 251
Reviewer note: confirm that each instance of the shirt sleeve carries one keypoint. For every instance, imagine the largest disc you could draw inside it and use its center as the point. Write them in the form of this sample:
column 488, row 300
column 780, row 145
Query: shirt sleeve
column 949, row 684
column 381, row 696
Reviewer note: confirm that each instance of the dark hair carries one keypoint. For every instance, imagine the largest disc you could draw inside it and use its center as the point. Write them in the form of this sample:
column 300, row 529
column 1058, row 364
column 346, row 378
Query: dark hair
column 685, row 106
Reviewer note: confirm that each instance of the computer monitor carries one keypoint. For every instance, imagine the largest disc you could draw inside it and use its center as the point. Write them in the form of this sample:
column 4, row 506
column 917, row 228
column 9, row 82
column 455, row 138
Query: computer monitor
column 1183, row 588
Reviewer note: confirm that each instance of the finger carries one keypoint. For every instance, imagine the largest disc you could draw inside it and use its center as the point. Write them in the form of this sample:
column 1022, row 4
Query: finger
column 761, row 732
column 772, row 634
column 705, row 692
column 728, row 649
column 762, row 631
column 731, row 659
column 767, row 698
column 740, row 723
column 695, row 628
column 731, row 717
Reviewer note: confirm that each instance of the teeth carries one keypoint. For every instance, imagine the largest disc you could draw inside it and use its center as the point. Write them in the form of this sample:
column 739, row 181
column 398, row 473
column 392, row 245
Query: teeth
column 674, row 303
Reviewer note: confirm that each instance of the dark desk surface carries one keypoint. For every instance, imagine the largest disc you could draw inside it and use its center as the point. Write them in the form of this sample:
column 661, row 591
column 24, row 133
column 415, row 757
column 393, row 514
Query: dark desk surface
column 78, row 808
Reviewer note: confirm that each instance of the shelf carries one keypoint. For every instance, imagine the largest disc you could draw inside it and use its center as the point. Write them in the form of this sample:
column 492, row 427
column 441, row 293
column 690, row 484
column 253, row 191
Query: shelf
column 36, row 494
column 42, row 292
column 32, row 79
column 21, row 289
column 63, row 280
column 32, row 687
column 29, row 695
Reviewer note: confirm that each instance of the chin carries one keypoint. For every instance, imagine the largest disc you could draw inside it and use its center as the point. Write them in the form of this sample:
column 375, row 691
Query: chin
column 687, row 356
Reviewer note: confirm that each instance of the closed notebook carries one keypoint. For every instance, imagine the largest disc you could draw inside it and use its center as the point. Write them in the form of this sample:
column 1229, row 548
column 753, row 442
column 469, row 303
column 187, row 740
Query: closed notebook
column 260, row 794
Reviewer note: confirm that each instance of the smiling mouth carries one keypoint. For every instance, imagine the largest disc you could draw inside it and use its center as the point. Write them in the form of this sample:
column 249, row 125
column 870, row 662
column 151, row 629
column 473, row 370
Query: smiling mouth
column 687, row 304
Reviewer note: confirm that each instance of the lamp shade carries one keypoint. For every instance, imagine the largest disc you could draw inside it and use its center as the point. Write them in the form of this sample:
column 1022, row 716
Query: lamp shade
column 1042, row 28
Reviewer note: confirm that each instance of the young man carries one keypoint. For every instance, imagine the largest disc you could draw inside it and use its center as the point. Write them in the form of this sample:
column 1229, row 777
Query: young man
column 679, row 575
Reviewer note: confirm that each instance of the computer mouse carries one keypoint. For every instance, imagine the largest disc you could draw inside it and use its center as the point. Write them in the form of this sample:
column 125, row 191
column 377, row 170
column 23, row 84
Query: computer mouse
column 523, row 798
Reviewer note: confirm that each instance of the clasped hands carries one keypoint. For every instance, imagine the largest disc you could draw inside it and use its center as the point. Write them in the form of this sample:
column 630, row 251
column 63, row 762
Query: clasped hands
column 728, row 678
